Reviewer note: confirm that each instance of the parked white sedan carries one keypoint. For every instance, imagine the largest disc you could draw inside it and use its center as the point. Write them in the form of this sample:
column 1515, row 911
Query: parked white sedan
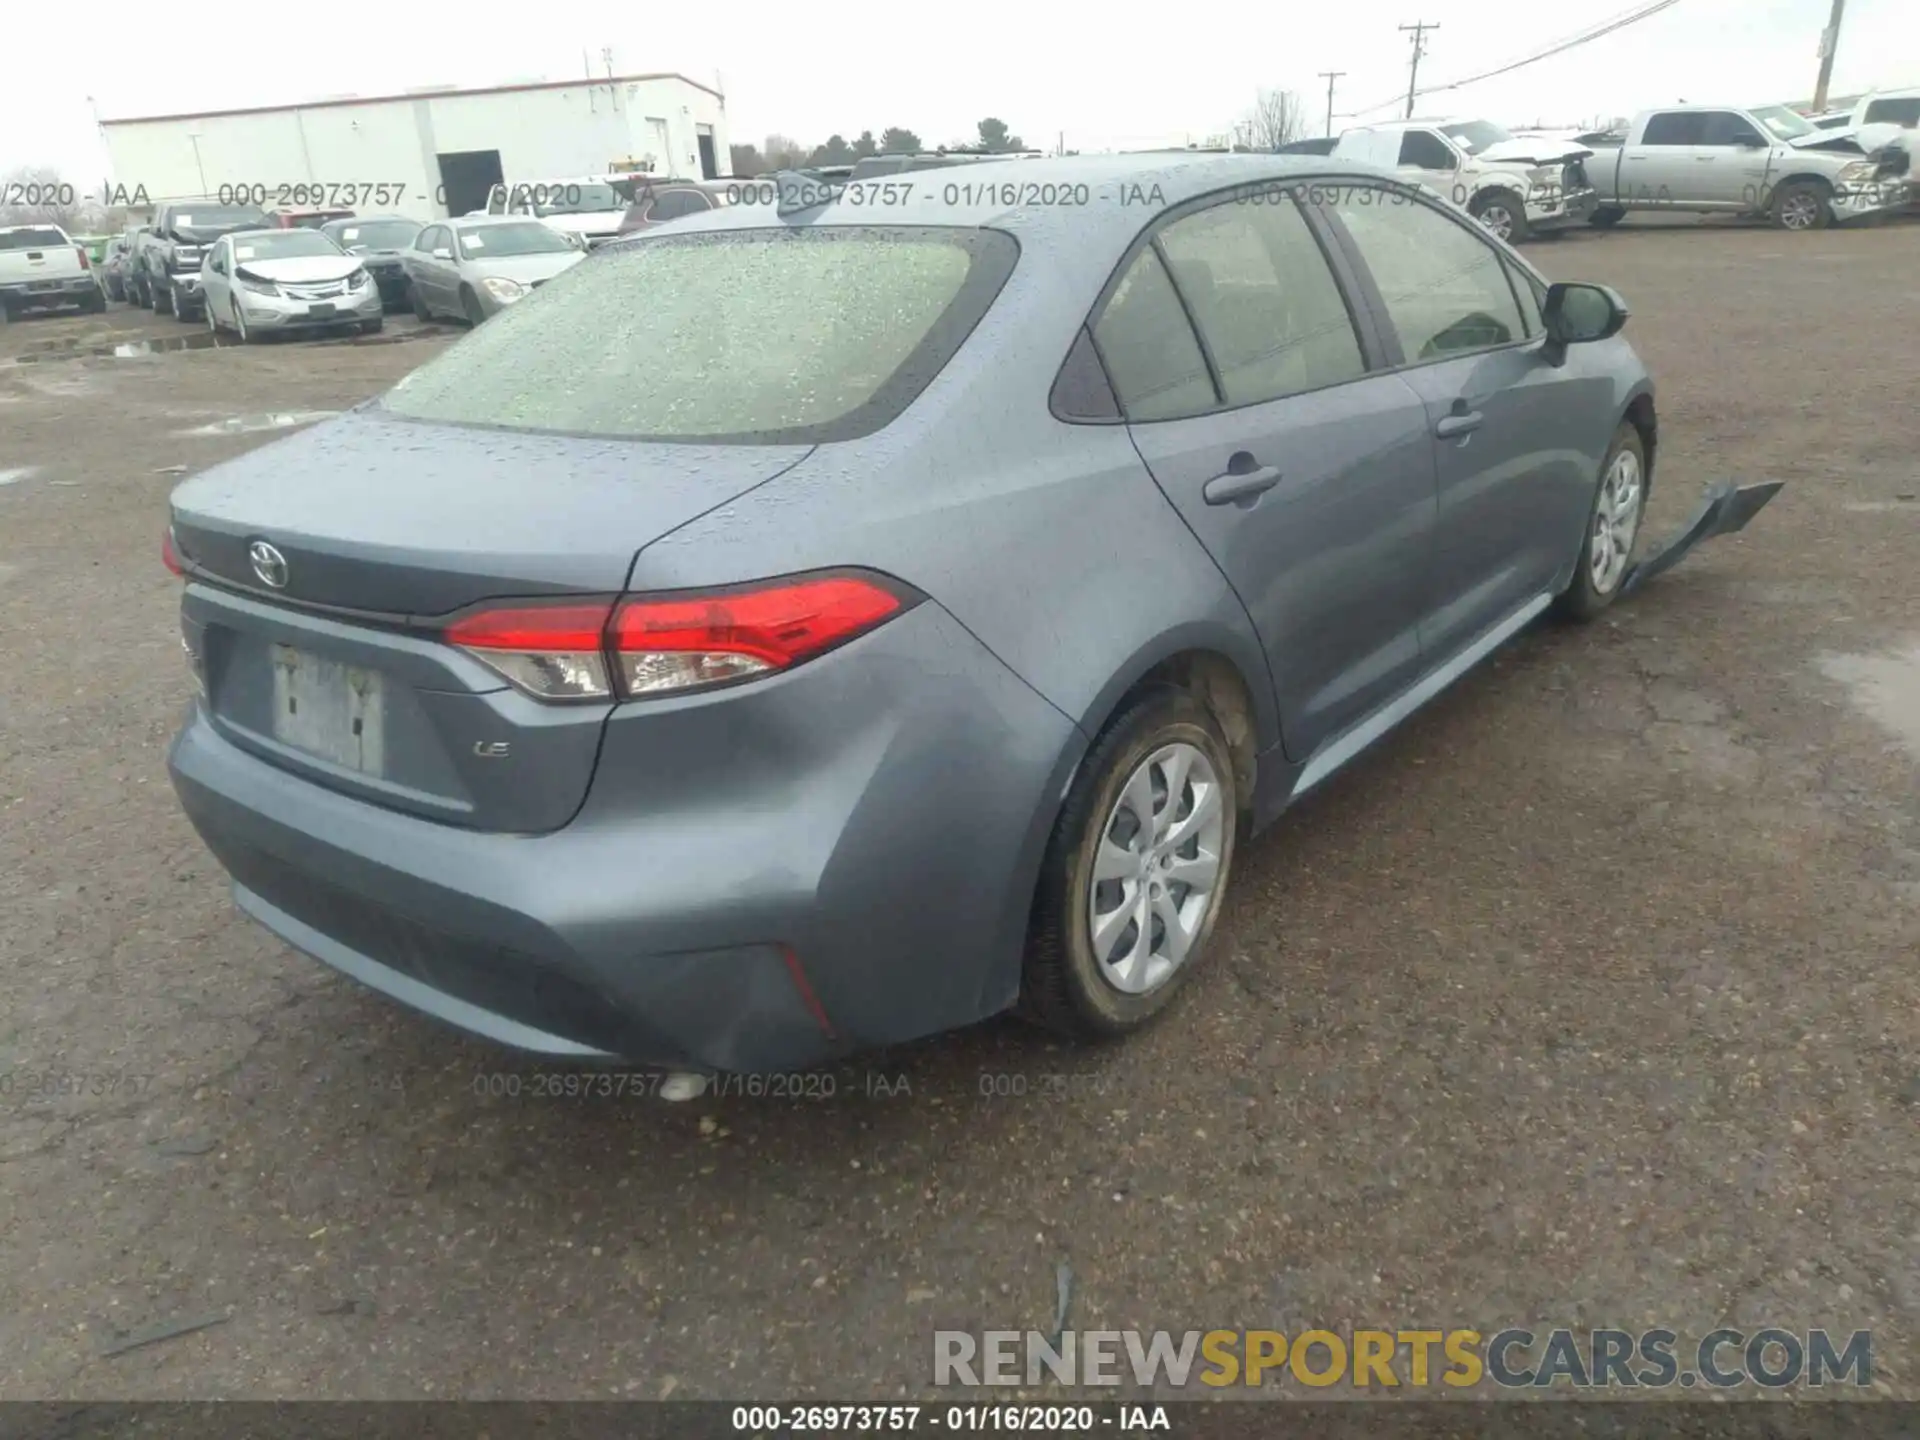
column 258, row 282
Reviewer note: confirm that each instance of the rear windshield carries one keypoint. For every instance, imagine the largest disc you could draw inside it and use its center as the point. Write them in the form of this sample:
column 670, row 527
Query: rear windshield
column 282, row 245
column 733, row 337
column 33, row 238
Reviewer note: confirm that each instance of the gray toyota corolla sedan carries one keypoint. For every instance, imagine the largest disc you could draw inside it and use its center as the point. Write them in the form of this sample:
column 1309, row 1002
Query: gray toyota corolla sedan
column 803, row 629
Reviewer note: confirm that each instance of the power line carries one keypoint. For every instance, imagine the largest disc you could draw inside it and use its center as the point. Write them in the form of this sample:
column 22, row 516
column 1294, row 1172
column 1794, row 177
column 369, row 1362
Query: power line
column 1419, row 29
column 1606, row 27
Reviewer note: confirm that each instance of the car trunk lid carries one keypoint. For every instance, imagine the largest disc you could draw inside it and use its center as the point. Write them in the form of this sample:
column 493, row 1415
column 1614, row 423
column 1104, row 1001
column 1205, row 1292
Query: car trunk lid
column 382, row 528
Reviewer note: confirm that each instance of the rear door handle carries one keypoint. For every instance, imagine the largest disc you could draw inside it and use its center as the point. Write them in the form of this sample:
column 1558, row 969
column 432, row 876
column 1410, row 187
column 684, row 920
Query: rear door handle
column 1464, row 424
column 1235, row 486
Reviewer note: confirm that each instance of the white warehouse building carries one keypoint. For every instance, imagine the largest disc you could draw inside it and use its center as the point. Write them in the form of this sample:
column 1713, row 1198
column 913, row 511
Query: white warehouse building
column 437, row 152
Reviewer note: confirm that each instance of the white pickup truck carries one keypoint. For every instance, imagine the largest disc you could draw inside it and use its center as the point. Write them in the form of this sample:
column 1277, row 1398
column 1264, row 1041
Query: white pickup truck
column 41, row 267
column 1765, row 161
column 1515, row 187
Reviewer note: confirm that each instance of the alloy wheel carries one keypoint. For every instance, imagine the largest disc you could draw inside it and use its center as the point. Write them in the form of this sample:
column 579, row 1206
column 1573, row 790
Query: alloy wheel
column 1616, row 522
column 1498, row 220
column 1799, row 210
column 1156, row 869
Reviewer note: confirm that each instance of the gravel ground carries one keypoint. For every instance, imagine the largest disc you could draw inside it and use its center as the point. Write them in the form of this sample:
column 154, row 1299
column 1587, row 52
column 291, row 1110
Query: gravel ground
column 1590, row 998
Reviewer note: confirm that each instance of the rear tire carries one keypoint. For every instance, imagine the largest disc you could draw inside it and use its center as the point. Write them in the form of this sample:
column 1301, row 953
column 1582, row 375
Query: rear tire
column 1598, row 576
column 1503, row 214
column 1607, row 216
column 1071, row 979
column 95, row 304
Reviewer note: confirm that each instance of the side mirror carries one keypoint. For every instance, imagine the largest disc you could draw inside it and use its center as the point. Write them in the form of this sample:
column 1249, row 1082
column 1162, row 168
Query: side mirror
column 443, row 253
column 1580, row 314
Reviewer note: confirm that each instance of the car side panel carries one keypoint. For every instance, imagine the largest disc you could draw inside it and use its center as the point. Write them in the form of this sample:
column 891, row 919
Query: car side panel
column 1063, row 557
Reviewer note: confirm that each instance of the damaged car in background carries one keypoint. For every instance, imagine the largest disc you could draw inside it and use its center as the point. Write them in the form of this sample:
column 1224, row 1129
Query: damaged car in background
column 1767, row 162
column 1514, row 186
column 263, row 282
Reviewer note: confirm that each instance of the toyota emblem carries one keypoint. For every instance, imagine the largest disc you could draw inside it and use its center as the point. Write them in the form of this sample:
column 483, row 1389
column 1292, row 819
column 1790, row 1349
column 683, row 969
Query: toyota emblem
column 269, row 564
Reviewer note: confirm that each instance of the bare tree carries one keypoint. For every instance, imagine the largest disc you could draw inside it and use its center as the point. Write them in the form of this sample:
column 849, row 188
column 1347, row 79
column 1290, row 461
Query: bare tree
column 783, row 152
column 41, row 196
column 1277, row 119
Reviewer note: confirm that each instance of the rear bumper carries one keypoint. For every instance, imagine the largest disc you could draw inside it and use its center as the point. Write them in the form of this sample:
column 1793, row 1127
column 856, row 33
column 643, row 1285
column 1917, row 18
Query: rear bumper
column 760, row 879
column 65, row 290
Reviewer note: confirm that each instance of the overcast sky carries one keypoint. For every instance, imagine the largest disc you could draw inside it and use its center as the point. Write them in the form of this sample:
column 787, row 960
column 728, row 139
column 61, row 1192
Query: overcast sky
column 1105, row 76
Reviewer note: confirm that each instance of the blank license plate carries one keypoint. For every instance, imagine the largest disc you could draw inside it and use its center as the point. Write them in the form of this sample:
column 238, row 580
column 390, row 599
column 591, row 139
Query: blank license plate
column 336, row 712
column 320, row 309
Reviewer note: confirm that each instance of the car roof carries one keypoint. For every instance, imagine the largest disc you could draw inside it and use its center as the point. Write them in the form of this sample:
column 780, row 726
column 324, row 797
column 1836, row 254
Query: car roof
column 1122, row 193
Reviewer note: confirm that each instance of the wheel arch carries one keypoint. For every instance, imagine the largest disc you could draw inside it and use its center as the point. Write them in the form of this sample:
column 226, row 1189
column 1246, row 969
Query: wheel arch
column 1640, row 414
column 1215, row 667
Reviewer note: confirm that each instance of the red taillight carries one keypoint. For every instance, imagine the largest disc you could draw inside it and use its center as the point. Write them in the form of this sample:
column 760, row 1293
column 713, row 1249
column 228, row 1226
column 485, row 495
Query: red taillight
column 656, row 645
column 553, row 652
column 170, row 557
column 534, row 627
column 81, row 251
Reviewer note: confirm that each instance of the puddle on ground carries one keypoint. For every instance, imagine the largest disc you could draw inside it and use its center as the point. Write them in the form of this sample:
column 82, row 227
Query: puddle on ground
column 46, row 351
column 19, row 472
column 1886, row 686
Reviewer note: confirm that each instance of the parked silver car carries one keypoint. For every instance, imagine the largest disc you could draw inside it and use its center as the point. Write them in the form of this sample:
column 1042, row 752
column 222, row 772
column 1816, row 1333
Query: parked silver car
column 257, row 282
column 476, row 266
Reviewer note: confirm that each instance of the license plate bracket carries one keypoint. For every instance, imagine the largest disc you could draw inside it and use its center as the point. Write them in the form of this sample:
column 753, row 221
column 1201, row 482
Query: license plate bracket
column 326, row 309
column 332, row 711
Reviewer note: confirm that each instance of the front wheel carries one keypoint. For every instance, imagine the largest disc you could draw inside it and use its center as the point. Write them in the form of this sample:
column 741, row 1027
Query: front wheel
column 1135, row 870
column 1613, row 525
column 470, row 307
column 420, row 310
column 1802, row 205
column 160, row 297
column 1502, row 213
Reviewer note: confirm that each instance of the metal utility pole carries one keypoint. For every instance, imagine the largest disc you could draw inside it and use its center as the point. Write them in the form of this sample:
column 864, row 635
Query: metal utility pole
column 1829, row 43
column 1419, row 29
column 1330, row 76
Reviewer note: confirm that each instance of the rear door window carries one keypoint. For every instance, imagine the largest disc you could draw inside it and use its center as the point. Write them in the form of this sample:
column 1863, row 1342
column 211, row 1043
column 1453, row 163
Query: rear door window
column 1425, row 150
column 1675, row 127
column 1264, row 300
column 1149, row 348
column 740, row 337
